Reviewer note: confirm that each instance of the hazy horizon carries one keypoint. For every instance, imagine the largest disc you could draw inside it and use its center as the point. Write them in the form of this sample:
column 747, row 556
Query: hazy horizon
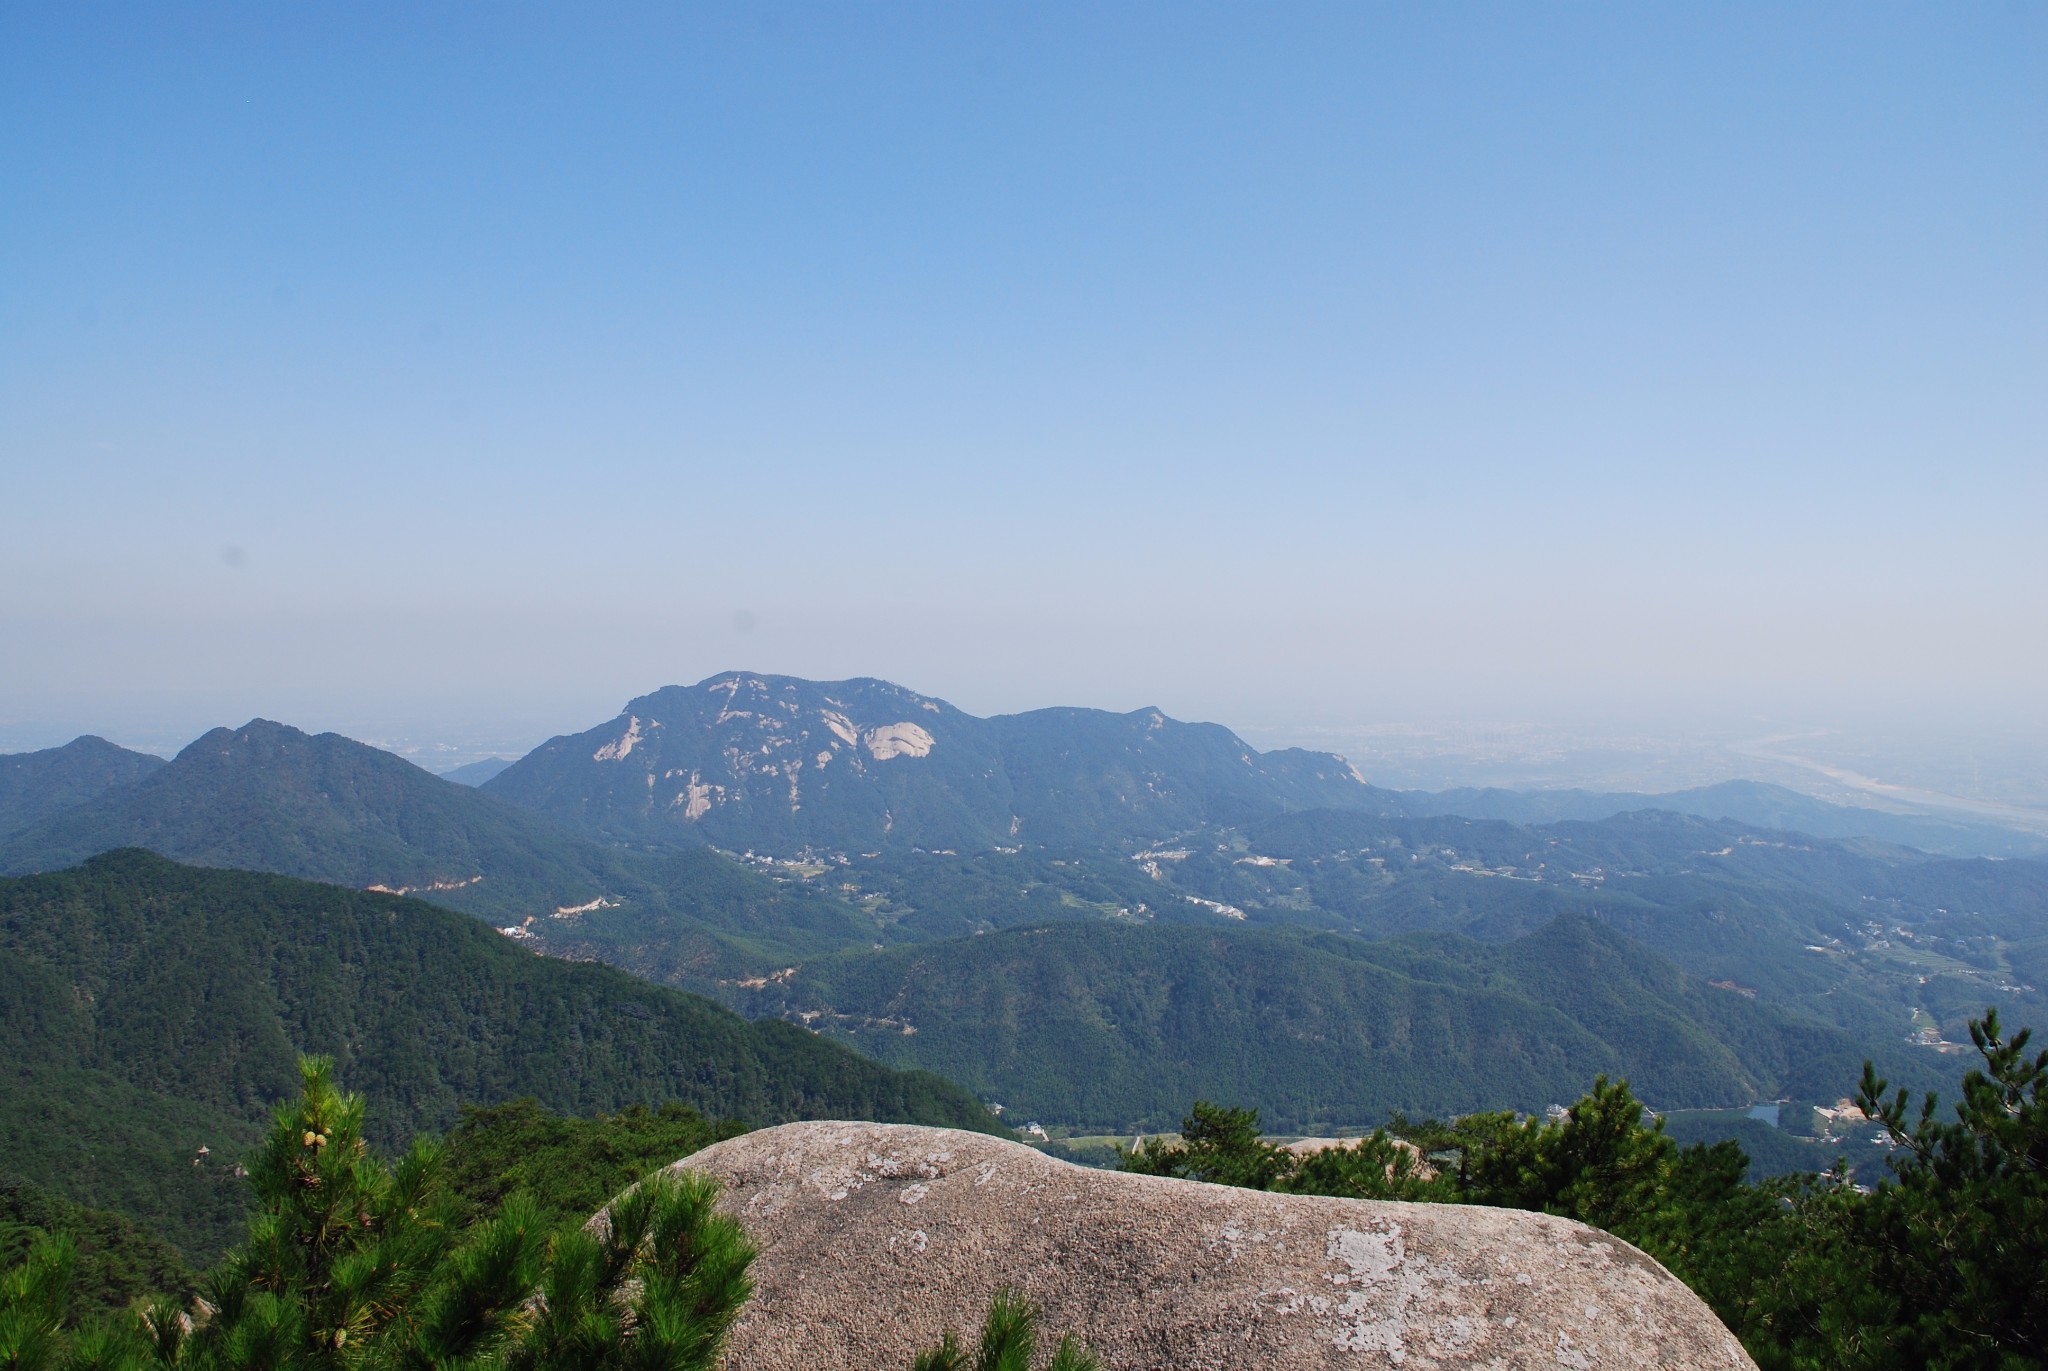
column 1924, row 769
column 1600, row 374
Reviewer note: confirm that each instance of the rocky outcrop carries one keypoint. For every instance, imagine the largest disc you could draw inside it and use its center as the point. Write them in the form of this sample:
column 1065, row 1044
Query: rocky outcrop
column 875, row 1238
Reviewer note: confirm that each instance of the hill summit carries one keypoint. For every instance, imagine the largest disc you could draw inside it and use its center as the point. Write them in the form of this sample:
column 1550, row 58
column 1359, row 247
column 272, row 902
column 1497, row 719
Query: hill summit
column 36, row 785
column 744, row 760
column 269, row 797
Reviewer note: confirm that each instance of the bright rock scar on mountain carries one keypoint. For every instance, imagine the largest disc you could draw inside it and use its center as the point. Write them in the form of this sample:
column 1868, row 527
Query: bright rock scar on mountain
column 696, row 798
column 778, row 764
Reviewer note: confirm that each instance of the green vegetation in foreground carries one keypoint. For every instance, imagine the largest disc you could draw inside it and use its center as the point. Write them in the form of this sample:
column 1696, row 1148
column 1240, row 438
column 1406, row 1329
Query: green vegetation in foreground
column 1943, row 1265
column 353, row 1263
column 148, row 1010
column 1779, row 1150
column 568, row 1167
column 1009, row 1342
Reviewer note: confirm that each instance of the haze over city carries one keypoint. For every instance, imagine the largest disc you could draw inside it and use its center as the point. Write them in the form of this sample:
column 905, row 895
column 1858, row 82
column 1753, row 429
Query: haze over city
column 1344, row 374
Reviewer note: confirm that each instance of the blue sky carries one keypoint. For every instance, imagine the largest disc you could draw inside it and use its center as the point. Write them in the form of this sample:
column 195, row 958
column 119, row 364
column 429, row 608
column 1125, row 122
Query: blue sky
column 475, row 367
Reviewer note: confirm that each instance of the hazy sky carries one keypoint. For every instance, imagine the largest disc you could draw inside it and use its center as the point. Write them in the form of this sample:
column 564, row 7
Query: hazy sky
column 453, row 367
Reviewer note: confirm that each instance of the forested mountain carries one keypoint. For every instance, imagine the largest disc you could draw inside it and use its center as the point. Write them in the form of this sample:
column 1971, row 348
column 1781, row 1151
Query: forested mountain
column 779, row 764
column 267, row 797
column 1337, row 861
column 1884, row 943
column 1109, row 1025
column 37, row 785
column 150, row 1009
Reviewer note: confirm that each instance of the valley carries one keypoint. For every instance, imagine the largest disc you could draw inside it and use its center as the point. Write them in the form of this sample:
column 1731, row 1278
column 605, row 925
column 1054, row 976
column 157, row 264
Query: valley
column 1095, row 917
column 761, row 899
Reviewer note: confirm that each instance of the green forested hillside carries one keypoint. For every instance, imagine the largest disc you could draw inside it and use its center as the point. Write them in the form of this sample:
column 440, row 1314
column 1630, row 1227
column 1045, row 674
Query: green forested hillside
column 1114, row 1026
column 569, row 1166
column 102, row 1141
column 1875, row 943
column 117, row 1261
column 151, row 1008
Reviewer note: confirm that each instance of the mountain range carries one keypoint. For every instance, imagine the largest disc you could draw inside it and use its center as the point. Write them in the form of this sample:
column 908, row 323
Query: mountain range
column 781, row 764
column 854, row 855
column 1751, row 802
column 267, row 797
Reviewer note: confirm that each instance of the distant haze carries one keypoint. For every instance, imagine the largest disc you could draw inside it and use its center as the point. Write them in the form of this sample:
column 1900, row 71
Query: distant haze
column 449, row 376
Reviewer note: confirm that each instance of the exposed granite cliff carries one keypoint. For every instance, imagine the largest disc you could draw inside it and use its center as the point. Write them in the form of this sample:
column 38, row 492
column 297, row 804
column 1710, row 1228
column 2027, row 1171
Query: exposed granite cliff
column 875, row 1238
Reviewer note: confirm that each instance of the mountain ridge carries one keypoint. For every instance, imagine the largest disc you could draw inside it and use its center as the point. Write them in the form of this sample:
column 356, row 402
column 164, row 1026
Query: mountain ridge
column 269, row 797
column 776, row 762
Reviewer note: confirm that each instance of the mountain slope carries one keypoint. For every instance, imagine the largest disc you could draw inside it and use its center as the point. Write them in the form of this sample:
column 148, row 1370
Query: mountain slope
column 476, row 773
column 182, row 996
column 774, row 763
column 206, row 983
column 37, row 785
column 1086, row 776
column 778, row 764
column 268, row 797
column 117, row 1261
column 1115, row 1026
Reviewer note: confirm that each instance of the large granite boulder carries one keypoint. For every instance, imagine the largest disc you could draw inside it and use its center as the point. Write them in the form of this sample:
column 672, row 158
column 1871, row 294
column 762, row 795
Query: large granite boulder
column 875, row 1238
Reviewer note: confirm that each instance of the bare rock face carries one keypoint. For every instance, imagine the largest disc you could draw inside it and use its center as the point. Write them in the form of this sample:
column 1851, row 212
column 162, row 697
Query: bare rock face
column 875, row 1238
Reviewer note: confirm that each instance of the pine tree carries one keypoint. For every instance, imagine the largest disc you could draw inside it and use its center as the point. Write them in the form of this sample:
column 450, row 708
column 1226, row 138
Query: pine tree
column 1217, row 1144
column 1954, row 1244
column 353, row 1264
column 1009, row 1342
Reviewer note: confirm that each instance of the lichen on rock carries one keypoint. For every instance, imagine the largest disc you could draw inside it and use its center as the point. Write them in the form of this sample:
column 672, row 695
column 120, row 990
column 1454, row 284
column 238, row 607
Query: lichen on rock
column 876, row 1238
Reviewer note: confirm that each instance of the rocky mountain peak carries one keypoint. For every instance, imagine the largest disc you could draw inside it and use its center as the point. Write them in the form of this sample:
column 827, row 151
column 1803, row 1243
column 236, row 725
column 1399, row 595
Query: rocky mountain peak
column 778, row 763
